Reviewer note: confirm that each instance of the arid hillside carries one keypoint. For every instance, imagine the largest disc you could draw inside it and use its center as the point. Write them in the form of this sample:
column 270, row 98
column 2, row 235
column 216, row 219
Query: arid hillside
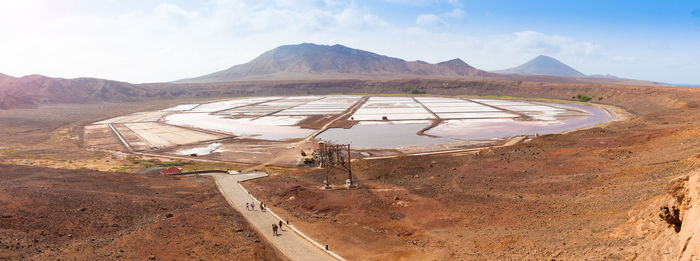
column 312, row 62
column 50, row 214
column 543, row 65
column 37, row 89
column 565, row 196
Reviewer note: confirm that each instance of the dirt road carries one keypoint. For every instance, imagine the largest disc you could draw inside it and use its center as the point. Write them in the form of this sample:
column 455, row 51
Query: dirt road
column 291, row 244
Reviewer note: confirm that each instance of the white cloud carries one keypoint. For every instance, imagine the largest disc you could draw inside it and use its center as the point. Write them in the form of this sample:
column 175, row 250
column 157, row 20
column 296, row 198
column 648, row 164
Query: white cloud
column 532, row 42
column 456, row 13
column 411, row 2
column 425, row 2
column 429, row 20
column 441, row 19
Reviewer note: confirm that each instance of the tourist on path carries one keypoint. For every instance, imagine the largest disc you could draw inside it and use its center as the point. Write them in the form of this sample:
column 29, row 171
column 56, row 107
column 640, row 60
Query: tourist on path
column 262, row 206
column 247, row 206
column 280, row 224
column 252, row 206
column 274, row 230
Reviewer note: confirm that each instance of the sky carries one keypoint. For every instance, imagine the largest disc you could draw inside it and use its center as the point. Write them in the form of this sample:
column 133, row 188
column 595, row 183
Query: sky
column 156, row 41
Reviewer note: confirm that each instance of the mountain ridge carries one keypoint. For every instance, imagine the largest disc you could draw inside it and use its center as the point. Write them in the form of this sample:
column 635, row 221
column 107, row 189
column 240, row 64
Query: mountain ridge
column 313, row 61
column 295, row 64
column 38, row 89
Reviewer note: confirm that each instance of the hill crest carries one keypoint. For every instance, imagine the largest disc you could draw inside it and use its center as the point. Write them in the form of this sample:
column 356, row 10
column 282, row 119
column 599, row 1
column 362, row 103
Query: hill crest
column 312, row 61
column 543, row 65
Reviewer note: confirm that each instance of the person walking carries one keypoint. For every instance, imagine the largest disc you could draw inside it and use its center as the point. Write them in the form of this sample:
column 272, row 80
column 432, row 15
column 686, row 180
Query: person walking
column 252, row 205
column 262, row 206
column 274, row 230
column 247, row 206
column 280, row 224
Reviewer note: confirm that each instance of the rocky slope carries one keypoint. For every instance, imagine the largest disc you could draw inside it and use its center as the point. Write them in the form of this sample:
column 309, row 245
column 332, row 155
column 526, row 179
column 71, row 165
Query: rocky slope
column 669, row 223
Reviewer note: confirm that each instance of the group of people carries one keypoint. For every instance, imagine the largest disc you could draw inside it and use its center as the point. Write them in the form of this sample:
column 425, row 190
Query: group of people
column 275, row 227
column 251, row 206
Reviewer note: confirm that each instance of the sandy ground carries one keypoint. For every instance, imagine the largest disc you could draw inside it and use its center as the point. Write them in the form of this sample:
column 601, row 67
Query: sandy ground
column 555, row 197
column 49, row 214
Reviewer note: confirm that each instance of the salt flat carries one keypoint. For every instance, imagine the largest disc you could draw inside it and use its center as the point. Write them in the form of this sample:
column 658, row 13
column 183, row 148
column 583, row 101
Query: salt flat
column 161, row 135
column 382, row 120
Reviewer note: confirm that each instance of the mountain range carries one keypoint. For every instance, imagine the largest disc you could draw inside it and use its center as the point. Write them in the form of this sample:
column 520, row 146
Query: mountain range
column 308, row 61
column 303, row 62
column 311, row 61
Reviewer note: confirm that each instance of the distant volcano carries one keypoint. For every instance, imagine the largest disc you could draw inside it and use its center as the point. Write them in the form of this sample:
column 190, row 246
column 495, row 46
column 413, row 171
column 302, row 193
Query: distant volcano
column 312, row 61
column 543, row 65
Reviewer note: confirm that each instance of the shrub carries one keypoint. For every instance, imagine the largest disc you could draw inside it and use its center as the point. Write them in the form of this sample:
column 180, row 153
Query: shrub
column 583, row 98
column 417, row 91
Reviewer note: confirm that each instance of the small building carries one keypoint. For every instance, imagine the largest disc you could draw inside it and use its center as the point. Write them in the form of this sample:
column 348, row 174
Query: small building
column 171, row 170
column 319, row 146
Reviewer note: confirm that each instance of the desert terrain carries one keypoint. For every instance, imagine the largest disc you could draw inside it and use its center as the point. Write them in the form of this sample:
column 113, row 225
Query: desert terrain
column 85, row 214
column 589, row 194
column 60, row 201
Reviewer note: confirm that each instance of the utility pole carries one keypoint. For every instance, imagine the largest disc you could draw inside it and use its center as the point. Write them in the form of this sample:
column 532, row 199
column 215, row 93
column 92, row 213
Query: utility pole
column 350, row 183
column 336, row 156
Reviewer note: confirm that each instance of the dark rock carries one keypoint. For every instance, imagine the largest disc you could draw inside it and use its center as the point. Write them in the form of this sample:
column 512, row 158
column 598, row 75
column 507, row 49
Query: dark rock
column 672, row 217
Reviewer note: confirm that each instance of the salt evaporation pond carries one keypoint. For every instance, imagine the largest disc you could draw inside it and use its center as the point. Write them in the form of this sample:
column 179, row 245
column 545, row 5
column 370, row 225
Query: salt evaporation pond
column 381, row 136
column 259, row 129
column 395, row 135
column 382, row 122
column 201, row 151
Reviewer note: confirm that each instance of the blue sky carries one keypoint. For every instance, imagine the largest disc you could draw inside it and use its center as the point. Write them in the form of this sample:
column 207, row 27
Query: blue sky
column 152, row 40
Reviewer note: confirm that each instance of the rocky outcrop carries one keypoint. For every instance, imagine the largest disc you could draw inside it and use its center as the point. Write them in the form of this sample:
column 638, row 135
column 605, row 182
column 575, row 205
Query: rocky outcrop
column 669, row 224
